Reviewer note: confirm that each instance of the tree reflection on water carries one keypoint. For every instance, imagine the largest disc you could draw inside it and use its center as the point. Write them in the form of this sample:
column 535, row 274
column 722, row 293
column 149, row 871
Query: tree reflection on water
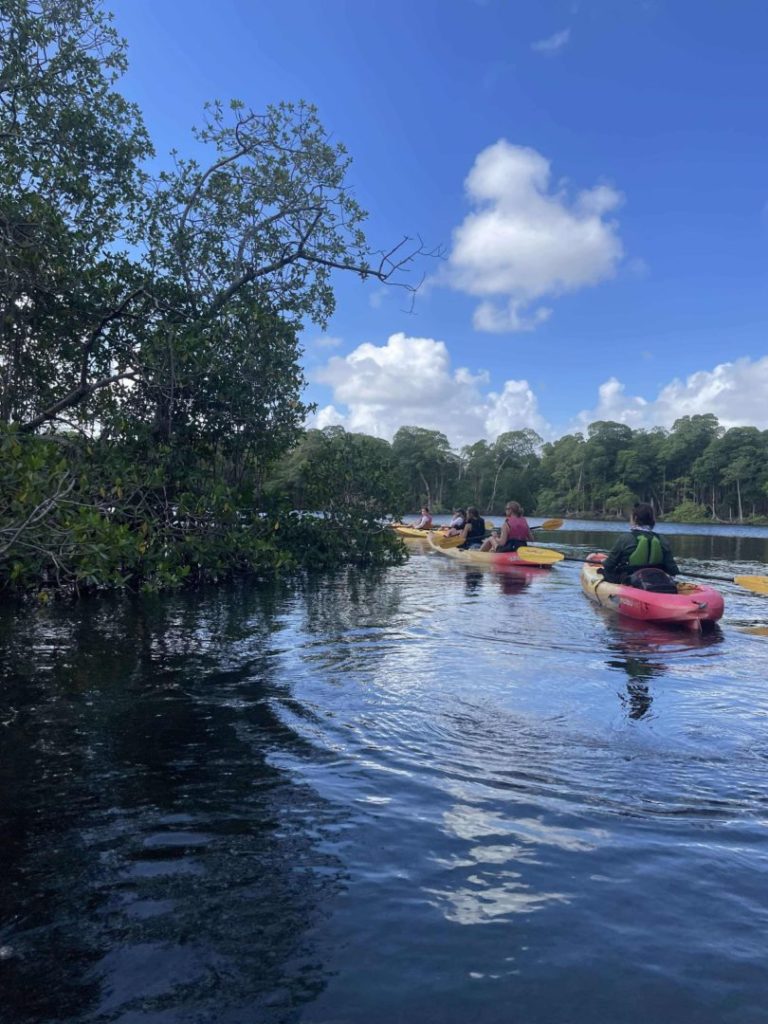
column 153, row 856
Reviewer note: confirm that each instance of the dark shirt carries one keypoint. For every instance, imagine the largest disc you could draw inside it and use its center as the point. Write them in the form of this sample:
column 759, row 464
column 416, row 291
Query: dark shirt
column 475, row 531
column 616, row 567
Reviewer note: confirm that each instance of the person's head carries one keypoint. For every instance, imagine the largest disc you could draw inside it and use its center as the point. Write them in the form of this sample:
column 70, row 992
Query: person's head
column 642, row 515
column 513, row 508
column 461, row 512
column 424, row 510
column 472, row 512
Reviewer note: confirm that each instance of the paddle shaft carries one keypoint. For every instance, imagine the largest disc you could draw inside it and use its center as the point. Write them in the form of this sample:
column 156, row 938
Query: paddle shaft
column 695, row 575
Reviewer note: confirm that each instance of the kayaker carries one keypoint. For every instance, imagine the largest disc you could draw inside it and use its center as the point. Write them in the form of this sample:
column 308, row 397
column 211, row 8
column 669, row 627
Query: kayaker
column 457, row 523
column 638, row 549
column 474, row 532
column 515, row 531
column 425, row 521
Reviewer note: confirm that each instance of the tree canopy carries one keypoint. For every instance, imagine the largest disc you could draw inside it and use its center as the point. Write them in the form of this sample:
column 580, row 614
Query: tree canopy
column 152, row 318
column 696, row 466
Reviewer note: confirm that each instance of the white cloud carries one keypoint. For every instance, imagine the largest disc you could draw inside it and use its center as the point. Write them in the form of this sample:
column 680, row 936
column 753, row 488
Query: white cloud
column 735, row 392
column 489, row 317
column 328, row 416
column 410, row 381
column 552, row 44
column 523, row 240
column 328, row 341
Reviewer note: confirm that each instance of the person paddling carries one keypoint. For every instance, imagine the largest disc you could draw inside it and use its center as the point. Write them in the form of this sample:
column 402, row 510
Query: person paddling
column 457, row 523
column 515, row 531
column 425, row 520
column 474, row 531
column 641, row 548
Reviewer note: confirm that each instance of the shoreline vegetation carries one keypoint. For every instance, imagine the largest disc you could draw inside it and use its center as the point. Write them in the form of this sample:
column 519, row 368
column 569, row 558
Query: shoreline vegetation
column 80, row 515
column 152, row 428
column 150, row 374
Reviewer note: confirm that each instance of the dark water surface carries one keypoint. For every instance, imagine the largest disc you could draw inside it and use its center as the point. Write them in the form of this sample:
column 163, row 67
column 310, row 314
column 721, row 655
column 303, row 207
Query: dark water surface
column 433, row 794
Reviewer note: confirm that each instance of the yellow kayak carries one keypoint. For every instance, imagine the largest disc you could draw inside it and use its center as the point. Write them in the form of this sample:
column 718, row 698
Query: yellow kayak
column 526, row 555
column 410, row 531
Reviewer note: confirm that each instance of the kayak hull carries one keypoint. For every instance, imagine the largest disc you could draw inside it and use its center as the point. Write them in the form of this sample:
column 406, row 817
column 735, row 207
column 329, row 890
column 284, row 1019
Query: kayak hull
column 411, row 532
column 693, row 605
column 534, row 557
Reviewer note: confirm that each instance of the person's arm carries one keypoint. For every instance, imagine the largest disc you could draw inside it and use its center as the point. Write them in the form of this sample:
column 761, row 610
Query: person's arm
column 670, row 565
column 615, row 556
column 530, row 532
column 504, row 534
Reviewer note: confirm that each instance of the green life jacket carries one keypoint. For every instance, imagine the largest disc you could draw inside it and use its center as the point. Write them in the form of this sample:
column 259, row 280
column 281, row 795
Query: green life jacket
column 648, row 551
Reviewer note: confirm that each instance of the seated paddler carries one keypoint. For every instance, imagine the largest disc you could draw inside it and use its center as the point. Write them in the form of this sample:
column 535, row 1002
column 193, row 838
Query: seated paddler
column 515, row 531
column 640, row 548
column 473, row 533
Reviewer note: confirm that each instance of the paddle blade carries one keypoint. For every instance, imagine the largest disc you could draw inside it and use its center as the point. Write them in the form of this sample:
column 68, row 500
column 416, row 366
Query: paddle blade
column 539, row 556
column 757, row 584
column 550, row 524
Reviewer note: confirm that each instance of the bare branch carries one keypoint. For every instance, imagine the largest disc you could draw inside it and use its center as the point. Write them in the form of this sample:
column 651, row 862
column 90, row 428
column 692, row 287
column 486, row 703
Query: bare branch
column 75, row 396
column 39, row 512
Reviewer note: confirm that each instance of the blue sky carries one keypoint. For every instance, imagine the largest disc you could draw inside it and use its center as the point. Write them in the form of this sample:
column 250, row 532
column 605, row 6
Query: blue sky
column 637, row 267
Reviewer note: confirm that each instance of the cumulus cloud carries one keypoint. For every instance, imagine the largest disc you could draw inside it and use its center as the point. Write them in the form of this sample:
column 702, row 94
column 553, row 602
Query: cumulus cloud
column 734, row 392
column 410, row 381
column 552, row 44
column 524, row 240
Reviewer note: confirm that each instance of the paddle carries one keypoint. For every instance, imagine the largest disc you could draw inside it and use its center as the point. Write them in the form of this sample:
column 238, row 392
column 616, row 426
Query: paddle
column 549, row 524
column 756, row 584
column 540, row 556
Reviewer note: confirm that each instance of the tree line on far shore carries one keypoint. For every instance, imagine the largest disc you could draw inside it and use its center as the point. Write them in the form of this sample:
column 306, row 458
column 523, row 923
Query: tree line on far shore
column 696, row 472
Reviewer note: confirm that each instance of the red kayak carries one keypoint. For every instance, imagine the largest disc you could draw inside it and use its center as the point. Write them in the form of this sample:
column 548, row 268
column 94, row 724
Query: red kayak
column 692, row 605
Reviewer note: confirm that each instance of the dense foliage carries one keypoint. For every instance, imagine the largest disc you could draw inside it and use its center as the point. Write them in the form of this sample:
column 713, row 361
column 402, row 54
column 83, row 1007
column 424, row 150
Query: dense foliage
column 149, row 356
column 697, row 471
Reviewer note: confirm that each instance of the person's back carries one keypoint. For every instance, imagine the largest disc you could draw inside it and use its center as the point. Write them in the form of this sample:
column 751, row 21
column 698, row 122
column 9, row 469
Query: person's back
column 641, row 548
column 518, row 528
column 474, row 531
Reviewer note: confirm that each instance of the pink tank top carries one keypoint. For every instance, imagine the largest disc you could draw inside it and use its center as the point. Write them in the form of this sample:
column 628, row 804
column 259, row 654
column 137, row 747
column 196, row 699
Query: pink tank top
column 517, row 528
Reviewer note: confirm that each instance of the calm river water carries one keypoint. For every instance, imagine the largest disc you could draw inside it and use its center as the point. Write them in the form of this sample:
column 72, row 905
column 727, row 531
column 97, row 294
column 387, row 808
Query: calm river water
column 431, row 794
